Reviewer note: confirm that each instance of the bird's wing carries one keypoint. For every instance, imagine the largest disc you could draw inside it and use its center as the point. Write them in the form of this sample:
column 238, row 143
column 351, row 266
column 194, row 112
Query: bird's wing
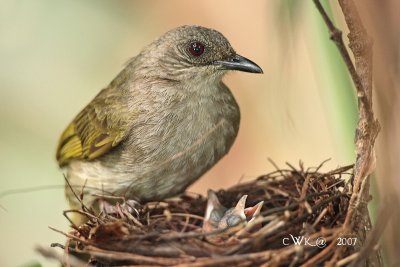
column 100, row 126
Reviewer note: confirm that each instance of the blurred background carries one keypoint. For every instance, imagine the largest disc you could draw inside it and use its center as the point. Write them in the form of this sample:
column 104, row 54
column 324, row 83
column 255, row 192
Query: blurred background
column 56, row 55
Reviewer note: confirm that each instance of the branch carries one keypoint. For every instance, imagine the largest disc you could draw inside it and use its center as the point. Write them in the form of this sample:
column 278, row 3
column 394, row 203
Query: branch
column 336, row 37
column 367, row 127
column 372, row 240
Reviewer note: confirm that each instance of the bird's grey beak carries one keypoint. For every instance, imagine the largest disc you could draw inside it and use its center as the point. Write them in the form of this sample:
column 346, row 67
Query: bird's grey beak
column 239, row 63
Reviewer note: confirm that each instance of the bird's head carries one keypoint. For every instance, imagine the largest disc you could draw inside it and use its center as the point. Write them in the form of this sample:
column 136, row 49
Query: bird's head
column 194, row 52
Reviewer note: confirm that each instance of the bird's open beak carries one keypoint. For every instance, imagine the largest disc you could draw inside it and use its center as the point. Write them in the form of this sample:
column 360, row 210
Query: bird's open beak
column 239, row 63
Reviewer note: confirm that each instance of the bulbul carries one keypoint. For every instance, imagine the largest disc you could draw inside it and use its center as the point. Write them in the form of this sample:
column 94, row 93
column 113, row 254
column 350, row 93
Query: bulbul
column 164, row 121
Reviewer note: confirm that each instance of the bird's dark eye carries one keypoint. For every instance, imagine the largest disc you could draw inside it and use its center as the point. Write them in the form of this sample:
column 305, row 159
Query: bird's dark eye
column 196, row 49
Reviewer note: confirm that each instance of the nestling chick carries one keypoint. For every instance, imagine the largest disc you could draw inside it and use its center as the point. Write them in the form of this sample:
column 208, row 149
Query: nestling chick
column 220, row 217
column 164, row 120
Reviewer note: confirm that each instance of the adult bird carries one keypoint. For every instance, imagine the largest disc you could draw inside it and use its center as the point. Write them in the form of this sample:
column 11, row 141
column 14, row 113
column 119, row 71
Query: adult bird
column 164, row 121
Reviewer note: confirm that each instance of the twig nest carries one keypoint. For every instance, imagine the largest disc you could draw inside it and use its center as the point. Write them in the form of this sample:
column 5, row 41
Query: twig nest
column 299, row 221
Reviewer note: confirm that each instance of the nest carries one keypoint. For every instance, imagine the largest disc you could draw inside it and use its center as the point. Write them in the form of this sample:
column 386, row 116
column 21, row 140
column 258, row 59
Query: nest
column 302, row 212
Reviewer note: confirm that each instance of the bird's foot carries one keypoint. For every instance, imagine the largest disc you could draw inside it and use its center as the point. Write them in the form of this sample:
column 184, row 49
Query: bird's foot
column 129, row 206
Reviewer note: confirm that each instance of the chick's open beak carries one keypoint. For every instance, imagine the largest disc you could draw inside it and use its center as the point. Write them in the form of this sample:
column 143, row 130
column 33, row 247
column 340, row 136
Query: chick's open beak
column 238, row 63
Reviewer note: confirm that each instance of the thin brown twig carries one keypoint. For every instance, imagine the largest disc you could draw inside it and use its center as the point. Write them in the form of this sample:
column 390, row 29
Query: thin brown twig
column 336, row 37
column 121, row 256
column 181, row 215
column 52, row 254
column 70, row 236
column 84, row 208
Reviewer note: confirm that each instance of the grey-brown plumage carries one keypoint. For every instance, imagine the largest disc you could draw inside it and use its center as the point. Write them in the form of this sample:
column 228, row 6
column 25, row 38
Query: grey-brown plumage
column 160, row 124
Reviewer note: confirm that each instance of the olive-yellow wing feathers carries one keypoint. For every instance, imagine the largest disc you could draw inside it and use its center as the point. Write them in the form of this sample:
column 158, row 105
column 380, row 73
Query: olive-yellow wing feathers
column 100, row 126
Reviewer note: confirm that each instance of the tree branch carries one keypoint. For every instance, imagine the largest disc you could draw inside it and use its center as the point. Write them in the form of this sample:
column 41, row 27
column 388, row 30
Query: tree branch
column 367, row 127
